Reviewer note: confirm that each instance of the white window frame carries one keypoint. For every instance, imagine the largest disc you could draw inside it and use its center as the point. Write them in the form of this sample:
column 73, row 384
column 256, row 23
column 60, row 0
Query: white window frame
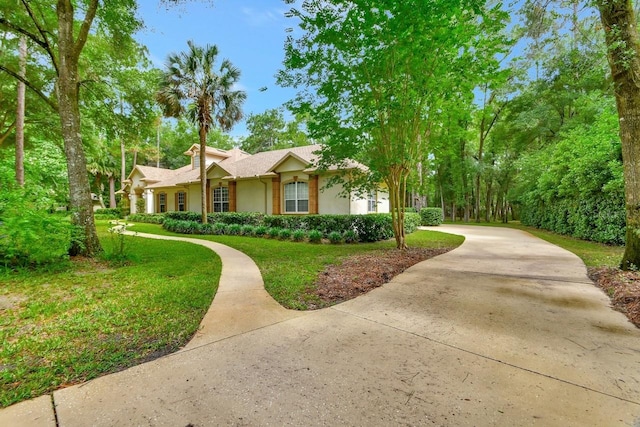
column 220, row 199
column 296, row 197
column 184, row 201
column 162, row 203
column 372, row 202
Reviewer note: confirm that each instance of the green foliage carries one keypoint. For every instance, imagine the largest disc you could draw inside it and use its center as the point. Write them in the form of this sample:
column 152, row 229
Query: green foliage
column 156, row 218
column 184, row 216
column 29, row 236
column 269, row 131
column 117, row 213
column 273, row 232
column 299, row 235
column 233, row 229
column 140, row 206
column 248, row 230
column 350, row 236
column 431, row 216
column 285, row 234
column 580, row 191
column 335, row 237
column 315, row 236
column 242, row 218
column 411, row 222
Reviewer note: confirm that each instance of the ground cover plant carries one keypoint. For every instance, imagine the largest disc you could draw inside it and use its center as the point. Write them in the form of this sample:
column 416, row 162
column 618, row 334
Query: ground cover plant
column 90, row 317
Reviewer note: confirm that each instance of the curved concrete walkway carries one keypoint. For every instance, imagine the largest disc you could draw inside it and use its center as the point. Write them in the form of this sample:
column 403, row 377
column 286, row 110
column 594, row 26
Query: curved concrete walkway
column 505, row 330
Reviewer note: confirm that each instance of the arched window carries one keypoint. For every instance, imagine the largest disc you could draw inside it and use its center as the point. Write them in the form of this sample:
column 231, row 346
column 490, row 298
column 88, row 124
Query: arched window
column 221, row 199
column 296, row 197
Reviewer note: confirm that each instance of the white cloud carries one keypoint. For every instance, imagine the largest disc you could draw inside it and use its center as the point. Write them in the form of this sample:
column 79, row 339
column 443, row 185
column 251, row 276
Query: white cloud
column 257, row 18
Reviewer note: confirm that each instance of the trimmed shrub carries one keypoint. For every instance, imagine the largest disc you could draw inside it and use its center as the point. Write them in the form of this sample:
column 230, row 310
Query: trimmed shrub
column 285, row 234
column 233, row 229
column 241, row 218
column 273, row 232
column 431, row 216
column 315, row 236
column 299, row 235
column 147, row 218
column 261, row 230
column 219, row 228
column 181, row 226
column 335, row 237
column 350, row 236
column 248, row 230
column 184, row 216
column 411, row 222
column 116, row 213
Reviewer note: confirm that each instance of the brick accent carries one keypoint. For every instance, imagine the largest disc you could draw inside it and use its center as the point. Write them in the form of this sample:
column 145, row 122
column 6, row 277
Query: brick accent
column 313, row 194
column 275, row 192
column 232, row 196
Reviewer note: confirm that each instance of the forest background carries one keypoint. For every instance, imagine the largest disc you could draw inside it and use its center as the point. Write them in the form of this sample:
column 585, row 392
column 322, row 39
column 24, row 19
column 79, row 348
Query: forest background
column 535, row 139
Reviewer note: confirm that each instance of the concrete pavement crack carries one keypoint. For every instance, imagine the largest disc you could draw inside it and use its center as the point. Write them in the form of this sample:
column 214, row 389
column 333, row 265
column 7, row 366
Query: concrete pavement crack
column 492, row 359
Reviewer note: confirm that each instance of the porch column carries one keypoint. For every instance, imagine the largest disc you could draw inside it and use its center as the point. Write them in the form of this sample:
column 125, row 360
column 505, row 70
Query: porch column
column 313, row 194
column 232, row 196
column 275, row 192
column 149, row 201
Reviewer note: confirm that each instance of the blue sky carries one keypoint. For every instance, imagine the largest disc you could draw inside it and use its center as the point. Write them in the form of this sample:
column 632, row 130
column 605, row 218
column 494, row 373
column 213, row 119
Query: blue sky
column 250, row 33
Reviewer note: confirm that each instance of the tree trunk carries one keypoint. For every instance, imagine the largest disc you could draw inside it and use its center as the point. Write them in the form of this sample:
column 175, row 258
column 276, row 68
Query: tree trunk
column 203, row 172
column 86, row 242
column 123, row 164
column 621, row 35
column 20, row 114
column 112, row 191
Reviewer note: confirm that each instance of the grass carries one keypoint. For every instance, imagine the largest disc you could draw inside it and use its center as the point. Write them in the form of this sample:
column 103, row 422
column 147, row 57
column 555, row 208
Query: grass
column 88, row 318
column 290, row 268
column 593, row 254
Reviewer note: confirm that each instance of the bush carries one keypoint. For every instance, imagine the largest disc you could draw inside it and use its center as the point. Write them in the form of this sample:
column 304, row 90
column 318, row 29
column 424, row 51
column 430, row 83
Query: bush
column 233, row 229
column 273, row 232
column 335, row 237
column 261, row 230
column 157, row 218
column 299, row 235
column 184, row 216
column 411, row 222
column 431, row 216
column 115, row 213
column 285, row 234
column 350, row 236
column 241, row 218
column 219, row 228
column 248, row 230
column 140, row 205
column 29, row 236
column 180, row 226
column 315, row 236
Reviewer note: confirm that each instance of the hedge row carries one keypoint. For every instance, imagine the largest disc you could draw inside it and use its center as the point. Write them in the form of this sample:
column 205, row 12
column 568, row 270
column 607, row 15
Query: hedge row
column 356, row 228
column 431, row 216
column 598, row 219
column 148, row 218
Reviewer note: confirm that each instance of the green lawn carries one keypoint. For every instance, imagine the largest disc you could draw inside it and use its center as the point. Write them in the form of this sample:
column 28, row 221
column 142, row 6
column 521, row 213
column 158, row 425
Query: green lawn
column 92, row 318
column 290, row 268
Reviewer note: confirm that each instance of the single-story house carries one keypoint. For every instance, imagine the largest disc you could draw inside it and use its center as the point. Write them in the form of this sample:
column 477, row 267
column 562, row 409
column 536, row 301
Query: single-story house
column 272, row 182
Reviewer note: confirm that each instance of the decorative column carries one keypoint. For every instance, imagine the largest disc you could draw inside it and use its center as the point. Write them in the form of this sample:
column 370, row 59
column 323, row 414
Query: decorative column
column 275, row 195
column 149, row 200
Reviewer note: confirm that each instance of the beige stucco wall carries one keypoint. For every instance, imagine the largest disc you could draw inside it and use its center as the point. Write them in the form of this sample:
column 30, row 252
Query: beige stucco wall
column 329, row 200
column 250, row 196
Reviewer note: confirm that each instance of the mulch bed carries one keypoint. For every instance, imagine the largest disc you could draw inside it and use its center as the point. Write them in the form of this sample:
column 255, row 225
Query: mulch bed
column 359, row 274
column 623, row 287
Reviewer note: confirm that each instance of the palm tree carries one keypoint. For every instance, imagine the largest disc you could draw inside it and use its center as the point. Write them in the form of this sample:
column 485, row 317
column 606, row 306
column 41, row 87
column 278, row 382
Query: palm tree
column 192, row 87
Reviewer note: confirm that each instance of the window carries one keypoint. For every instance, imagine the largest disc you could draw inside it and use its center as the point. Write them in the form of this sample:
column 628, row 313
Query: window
column 162, row 202
column 181, row 201
column 221, row 199
column 296, row 197
column 372, row 202
column 196, row 161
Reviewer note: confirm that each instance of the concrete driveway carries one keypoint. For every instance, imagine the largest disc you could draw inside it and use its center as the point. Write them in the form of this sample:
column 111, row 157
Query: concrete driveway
column 506, row 330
